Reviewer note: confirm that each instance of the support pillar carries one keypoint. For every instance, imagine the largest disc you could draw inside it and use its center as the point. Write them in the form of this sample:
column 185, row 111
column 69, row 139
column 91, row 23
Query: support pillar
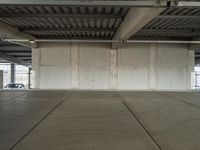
column 12, row 73
column 36, row 56
column 1, row 79
column 191, row 64
column 29, row 78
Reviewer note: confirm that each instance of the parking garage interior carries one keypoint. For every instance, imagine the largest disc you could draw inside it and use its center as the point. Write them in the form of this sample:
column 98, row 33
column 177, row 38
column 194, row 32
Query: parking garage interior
column 100, row 74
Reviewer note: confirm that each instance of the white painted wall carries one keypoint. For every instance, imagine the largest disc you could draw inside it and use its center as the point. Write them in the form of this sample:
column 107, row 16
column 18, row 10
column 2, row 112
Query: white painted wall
column 96, row 66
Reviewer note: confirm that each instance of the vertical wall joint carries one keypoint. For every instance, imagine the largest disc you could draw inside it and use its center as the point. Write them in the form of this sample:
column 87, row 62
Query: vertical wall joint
column 113, row 69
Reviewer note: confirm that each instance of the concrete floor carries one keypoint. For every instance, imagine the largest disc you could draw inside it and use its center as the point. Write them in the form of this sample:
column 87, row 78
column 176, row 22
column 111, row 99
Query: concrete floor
column 65, row 120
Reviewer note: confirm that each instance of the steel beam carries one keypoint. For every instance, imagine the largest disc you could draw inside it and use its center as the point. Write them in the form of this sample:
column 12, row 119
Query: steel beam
column 186, row 33
column 19, row 53
column 23, row 57
column 197, row 61
column 7, row 31
column 10, row 32
column 191, row 3
column 67, row 29
column 193, row 17
column 168, row 30
column 135, row 20
column 111, row 3
column 16, row 15
column 165, row 41
column 13, row 47
column 197, row 55
column 10, row 58
column 14, row 51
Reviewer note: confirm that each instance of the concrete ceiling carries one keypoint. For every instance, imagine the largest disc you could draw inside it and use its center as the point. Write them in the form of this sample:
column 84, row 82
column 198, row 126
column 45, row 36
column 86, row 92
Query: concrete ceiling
column 84, row 21
column 174, row 24
column 10, row 52
column 64, row 21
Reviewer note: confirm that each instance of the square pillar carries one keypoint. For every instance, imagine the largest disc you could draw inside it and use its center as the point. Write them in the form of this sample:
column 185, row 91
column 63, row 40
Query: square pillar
column 12, row 73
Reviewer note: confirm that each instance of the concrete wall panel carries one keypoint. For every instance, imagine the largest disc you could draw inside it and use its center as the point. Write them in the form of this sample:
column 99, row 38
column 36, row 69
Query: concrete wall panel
column 55, row 66
column 172, row 66
column 54, row 77
column 55, row 54
column 94, row 66
column 133, row 67
column 172, row 78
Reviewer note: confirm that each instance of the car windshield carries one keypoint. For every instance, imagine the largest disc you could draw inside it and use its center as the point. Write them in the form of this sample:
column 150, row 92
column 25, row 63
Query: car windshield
column 12, row 86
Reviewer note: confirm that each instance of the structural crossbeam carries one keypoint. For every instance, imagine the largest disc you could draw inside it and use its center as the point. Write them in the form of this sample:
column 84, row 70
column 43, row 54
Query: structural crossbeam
column 17, row 15
column 66, row 29
column 120, row 3
column 172, row 32
column 193, row 17
column 10, row 58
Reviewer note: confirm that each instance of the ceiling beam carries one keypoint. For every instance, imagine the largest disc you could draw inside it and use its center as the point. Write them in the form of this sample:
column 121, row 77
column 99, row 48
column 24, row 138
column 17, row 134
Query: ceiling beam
column 168, row 30
column 192, row 3
column 8, row 32
column 193, row 17
column 14, row 51
column 16, row 15
column 10, row 58
column 133, row 22
column 18, row 54
column 197, row 61
column 23, row 58
column 66, row 29
column 197, row 55
column 171, row 32
column 120, row 3
column 13, row 47
column 194, row 46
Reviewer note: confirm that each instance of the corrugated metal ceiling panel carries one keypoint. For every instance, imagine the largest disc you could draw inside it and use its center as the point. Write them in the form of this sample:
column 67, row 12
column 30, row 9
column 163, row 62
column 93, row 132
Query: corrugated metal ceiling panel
column 53, row 19
column 173, row 23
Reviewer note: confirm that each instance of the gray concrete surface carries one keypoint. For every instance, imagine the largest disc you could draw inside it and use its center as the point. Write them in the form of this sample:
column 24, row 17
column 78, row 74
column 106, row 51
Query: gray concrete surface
column 20, row 111
column 66, row 120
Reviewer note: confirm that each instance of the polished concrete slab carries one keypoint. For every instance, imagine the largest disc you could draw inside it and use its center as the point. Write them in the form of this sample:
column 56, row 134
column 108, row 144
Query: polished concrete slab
column 96, row 120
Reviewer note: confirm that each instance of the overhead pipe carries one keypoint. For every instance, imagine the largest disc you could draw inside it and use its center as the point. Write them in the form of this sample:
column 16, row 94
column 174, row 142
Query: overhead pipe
column 61, row 40
column 100, row 41
column 163, row 41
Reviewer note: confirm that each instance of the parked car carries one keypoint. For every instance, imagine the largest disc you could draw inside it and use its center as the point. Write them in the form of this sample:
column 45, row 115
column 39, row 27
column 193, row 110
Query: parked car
column 17, row 86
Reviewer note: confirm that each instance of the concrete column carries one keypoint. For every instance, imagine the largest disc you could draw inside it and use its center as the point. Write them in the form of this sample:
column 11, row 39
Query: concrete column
column 1, row 79
column 191, row 64
column 113, row 70
column 29, row 78
column 12, row 73
column 152, row 66
column 36, row 67
column 75, row 65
